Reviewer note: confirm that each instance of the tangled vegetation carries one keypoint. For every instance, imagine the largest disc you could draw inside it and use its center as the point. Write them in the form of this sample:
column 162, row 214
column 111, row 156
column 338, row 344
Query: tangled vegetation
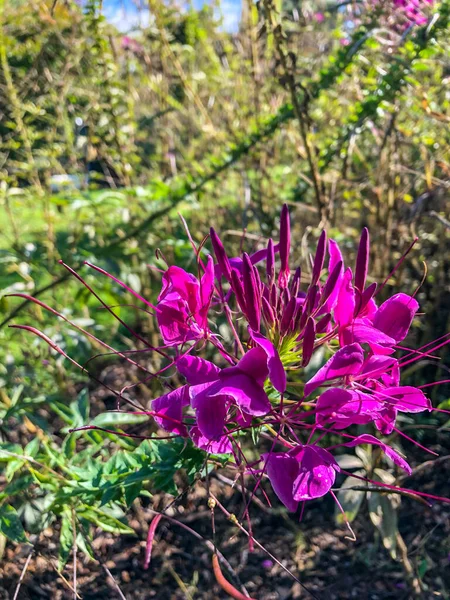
column 110, row 142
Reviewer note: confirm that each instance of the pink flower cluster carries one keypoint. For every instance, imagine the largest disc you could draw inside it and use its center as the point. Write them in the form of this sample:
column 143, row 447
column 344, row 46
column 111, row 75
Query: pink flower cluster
column 262, row 324
column 279, row 319
column 412, row 10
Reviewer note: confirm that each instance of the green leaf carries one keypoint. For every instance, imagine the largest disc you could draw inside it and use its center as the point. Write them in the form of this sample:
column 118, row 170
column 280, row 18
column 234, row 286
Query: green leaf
column 10, row 524
column 32, row 448
column 13, row 466
column 83, row 407
column 104, row 521
column 383, row 512
column 65, row 541
column 350, row 500
column 111, row 419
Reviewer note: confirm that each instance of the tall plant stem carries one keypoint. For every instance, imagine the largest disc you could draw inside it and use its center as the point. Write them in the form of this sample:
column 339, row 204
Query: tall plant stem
column 300, row 111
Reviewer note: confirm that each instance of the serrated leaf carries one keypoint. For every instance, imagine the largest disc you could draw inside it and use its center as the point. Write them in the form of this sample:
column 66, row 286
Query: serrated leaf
column 10, row 524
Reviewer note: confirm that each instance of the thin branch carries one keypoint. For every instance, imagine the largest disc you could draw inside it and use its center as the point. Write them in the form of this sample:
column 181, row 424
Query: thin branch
column 22, row 575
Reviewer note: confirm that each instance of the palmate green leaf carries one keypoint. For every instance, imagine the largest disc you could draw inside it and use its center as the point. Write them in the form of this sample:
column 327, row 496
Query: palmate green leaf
column 10, row 524
column 103, row 520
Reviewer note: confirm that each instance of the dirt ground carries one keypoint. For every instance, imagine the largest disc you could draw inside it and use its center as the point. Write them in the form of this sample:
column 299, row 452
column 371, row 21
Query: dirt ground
column 315, row 550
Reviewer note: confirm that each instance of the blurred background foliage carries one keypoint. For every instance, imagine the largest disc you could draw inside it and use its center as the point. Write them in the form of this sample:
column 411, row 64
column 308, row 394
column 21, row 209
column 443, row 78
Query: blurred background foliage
column 342, row 111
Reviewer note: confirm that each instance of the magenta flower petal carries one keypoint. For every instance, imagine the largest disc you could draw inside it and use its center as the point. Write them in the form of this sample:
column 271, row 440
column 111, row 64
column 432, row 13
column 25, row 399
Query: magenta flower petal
column 377, row 365
column 197, row 370
column 282, row 471
column 245, row 391
column 210, row 410
column 331, row 288
column 316, row 473
column 319, row 257
column 172, row 323
column 385, row 419
column 405, row 399
column 394, row 317
column 206, row 292
column 390, row 452
column 224, row 267
column 347, row 361
column 251, row 294
column 220, row 446
column 285, row 246
column 170, row 410
column 276, row 371
column 346, row 407
column 363, row 333
column 184, row 284
column 345, row 306
column 254, row 364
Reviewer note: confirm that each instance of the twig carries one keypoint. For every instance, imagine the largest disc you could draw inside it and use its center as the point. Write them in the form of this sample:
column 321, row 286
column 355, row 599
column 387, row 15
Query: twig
column 261, row 132
column 74, row 554
column 279, row 38
column 204, row 541
column 234, row 520
column 22, row 575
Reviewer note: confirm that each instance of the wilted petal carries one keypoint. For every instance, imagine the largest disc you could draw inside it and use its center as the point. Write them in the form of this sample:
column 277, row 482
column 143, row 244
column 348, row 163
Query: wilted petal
column 347, row 361
column 276, row 371
column 394, row 317
column 316, row 473
column 405, row 399
column 282, row 471
column 220, row 446
column 197, row 370
column 170, row 410
column 390, row 452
